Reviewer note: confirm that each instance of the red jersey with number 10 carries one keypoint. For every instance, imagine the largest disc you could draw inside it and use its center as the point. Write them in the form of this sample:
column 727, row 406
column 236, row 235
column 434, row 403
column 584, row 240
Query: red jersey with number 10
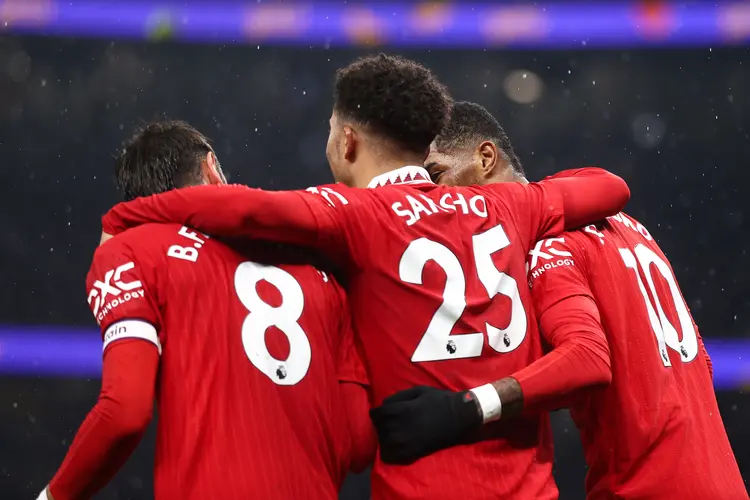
column 435, row 279
column 252, row 352
column 655, row 433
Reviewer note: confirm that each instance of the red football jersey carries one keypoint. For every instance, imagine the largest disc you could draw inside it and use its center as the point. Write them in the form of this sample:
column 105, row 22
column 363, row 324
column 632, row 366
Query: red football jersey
column 436, row 285
column 655, row 432
column 435, row 279
column 251, row 359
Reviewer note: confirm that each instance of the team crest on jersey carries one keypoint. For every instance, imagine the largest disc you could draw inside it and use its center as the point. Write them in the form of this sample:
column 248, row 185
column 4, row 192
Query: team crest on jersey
column 113, row 291
column 545, row 256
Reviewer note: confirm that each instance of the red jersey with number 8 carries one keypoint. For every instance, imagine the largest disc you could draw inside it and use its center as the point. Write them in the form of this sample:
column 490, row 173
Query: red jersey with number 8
column 655, row 432
column 251, row 359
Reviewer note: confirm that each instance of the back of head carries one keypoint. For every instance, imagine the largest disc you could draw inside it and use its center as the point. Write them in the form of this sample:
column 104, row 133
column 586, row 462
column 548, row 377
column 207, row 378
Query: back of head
column 471, row 124
column 397, row 99
column 161, row 156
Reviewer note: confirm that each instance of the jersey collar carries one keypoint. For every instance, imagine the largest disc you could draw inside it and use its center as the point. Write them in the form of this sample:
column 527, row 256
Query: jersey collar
column 409, row 174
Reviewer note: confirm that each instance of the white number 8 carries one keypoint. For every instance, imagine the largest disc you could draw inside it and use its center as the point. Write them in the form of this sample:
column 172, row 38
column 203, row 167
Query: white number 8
column 285, row 317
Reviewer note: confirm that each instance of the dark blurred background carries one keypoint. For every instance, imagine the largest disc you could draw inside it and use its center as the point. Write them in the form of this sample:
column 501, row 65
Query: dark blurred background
column 674, row 122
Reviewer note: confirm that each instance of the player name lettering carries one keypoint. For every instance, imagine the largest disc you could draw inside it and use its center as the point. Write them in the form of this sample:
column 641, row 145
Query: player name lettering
column 631, row 224
column 189, row 253
column 551, row 265
column 414, row 207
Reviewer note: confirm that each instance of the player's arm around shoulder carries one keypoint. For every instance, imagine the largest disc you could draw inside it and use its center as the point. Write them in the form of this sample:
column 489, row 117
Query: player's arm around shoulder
column 568, row 200
column 345, row 219
column 320, row 217
column 118, row 297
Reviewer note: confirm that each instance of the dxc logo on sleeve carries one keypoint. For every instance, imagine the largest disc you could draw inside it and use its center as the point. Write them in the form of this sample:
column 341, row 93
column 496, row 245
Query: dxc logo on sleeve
column 113, row 291
column 545, row 256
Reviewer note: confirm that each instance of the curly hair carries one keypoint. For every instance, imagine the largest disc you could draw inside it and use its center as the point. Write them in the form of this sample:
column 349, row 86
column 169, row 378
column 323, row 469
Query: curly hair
column 394, row 97
column 160, row 156
column 469, row 125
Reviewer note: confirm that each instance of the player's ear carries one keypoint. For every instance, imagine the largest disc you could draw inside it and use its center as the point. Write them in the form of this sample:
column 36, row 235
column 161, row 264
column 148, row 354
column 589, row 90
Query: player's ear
column 488, row 157
column 211, row 170
column 350, row 143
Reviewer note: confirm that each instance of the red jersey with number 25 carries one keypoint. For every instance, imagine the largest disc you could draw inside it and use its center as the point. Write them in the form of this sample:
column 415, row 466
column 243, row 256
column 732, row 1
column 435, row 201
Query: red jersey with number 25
column 251, row 359
column 655, row 432
column 435, row 280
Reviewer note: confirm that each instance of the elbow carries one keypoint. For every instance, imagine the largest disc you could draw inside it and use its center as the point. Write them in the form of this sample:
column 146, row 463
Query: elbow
column 593, row 357
column 129, row 418
column 132, row 424
column 602, row 376
column 620, row 192
column 601, row 366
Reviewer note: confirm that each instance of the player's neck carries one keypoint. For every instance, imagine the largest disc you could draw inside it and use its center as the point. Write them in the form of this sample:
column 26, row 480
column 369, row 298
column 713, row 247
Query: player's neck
column 509, row 175
column 378, row 166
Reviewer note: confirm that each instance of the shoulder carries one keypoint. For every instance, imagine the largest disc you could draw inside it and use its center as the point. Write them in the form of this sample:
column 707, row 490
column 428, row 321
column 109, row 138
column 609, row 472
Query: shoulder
column 337, row 195
column 617, row 229
column 625, row 224
column 508, row 199
column 141, row 244
column 140, row 237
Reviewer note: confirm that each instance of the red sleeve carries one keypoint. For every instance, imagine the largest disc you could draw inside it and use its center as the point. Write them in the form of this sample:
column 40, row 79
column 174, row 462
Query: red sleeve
column 122, row 285
column 568, row 200
column 537, row 208
column 363, row 438
column 119, row 288
column 569, row 321
column 579, row 358
column 704, row 352
column 589, row 195
column 317, row 217
column 354, row 385
column 115, row 425
column 351, row 368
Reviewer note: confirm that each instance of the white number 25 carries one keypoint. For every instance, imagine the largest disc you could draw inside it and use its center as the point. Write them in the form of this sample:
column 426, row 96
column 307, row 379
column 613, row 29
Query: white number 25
column 261, row 316
column 437, row 342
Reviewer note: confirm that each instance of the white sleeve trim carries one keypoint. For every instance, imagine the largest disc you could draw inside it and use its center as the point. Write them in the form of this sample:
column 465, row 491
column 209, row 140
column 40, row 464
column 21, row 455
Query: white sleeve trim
column 43, row 495
column 131, row 329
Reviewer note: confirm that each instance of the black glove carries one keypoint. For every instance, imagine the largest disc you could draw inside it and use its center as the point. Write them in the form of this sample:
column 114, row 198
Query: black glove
column 417, row 422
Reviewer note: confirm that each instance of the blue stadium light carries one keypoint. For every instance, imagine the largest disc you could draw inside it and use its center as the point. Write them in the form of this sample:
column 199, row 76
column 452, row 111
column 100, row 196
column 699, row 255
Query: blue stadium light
column 541, row 25
column 49, row 351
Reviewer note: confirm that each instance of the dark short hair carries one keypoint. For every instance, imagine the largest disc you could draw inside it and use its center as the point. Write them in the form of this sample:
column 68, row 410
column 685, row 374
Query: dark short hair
column 469, row 125
column 397, row 98
column 160, row 156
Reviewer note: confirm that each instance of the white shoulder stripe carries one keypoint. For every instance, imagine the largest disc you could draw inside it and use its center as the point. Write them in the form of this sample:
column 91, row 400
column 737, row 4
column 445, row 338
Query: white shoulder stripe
column 131, row 329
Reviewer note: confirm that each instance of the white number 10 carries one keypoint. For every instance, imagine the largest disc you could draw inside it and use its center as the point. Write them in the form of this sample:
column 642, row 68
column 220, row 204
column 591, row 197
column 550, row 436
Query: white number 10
column 665, row 332
column 437, row 343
